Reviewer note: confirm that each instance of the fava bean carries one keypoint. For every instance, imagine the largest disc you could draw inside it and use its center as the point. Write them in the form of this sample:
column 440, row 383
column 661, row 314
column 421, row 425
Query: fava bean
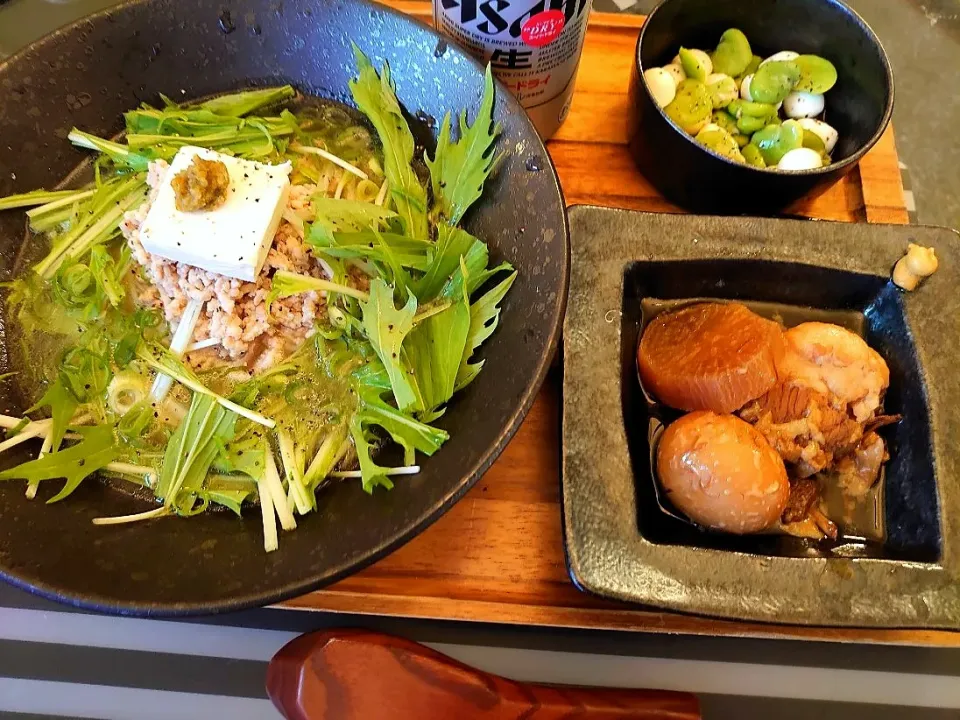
column 733, row 53
column 775, row 141
column 751, row 153
column 720, row 141
column 691, row 107
column 750, row 125
column 824, row 131
column 726, row 121
column 765, row 109
column 753, row 109
column 722, row 89
column 696, row 64
column 773, row 81
column 750, row 69
column 812, row 141
column 817, row 74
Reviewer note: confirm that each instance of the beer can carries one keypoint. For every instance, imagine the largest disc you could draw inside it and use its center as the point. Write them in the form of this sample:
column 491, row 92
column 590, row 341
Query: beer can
column 534, row 47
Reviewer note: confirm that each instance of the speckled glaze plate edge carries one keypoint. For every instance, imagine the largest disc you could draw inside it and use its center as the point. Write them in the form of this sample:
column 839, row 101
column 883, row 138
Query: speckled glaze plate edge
column 606, row 553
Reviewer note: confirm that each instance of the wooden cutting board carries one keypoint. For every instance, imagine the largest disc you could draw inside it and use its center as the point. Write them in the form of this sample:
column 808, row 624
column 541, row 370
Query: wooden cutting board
column 497, row 556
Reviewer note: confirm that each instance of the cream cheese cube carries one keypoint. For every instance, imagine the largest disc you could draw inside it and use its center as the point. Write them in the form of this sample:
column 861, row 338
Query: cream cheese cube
column 232, row 239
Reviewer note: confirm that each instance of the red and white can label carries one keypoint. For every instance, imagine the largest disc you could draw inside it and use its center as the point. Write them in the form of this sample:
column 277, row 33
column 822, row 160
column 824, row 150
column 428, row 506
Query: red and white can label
column 543, row 28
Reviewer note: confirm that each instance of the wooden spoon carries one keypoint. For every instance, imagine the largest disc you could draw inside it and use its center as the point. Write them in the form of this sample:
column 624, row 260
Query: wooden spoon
column 359, row 675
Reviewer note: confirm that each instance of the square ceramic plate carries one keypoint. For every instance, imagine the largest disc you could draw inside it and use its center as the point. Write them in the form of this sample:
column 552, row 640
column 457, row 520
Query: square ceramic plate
column 619, row 540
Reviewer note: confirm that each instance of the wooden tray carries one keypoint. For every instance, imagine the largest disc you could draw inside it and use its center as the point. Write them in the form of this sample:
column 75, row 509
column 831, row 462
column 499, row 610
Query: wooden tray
column 497, row 556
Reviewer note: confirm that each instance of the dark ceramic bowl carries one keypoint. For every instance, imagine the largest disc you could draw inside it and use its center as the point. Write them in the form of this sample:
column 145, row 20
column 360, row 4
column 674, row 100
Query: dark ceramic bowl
column 91, row 72
column 859, row 106
column 619, row 541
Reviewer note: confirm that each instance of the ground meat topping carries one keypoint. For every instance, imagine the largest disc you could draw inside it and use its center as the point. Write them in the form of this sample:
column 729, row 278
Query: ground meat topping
column 234, row 311
column 202, row 186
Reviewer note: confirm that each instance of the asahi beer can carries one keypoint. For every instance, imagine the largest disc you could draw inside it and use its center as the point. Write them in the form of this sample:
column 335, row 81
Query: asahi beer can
column 534, row 47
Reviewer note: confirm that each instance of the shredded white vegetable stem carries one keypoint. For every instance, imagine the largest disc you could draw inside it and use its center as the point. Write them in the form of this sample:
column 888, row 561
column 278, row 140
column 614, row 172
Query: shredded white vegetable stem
column 279, row 497
column 340, row 186
column 181, row 339
column 202, row 345
column 8, row 422
column 407, row 470
column 34, row 485
column 382, row 195
column 270, row 540
column 135, row 517
column 142, row 471
column 31, row 430
column 309, row 149
column 294, row 472
column 57, row 204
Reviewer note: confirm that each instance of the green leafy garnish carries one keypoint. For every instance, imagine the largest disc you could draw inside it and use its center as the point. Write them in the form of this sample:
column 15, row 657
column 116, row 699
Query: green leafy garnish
column 484, row 318
column 373, row 246
column 62, row 404
column 35, row 197
column 286, row 283
column 386, row 327
column 97, row 449
column 339, row 216
column 459, row 169
column 243, row 103
column 406, row 431
column 435, row 347
column 164, row 362
column 198, row 439
column 121, row 155
column 376, row 98
column 452, row 245
column 98, row 221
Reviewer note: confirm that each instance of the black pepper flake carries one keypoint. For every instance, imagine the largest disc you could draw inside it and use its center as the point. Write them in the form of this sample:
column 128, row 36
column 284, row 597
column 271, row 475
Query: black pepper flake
column 256, row 199
column 246, row 175
column 86, row 386
column 156, row 414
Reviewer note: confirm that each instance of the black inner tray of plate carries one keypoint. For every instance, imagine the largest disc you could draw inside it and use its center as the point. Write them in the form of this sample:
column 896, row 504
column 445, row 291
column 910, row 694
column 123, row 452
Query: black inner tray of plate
column 908, row 526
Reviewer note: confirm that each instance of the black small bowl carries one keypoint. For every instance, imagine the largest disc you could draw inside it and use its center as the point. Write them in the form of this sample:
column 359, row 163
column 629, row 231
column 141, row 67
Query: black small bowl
column 859, row 106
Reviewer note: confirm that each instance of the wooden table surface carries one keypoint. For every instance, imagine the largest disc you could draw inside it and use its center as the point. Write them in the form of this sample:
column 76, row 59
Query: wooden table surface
column 497, row 556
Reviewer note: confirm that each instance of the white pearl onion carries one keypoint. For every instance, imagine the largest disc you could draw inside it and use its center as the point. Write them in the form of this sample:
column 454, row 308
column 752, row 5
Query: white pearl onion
column 803, row 105
column 800, row 159
column 782, row 56
column 676, row 70
column 662, row 86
